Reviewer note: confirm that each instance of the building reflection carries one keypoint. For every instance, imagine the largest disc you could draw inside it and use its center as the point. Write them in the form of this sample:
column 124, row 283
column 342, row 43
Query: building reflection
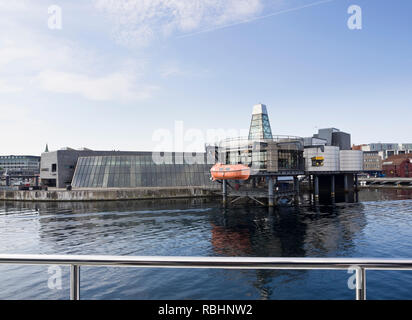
column 388, row 194
column 286, row 232
column 130, row 227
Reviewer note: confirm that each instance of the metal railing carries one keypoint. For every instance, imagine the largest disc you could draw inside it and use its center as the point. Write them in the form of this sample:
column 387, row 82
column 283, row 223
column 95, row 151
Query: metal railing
column 360, row 265
column 241, row 142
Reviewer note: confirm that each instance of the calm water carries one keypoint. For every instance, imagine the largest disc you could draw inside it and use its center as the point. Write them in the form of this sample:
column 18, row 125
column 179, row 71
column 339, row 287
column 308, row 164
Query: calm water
column 380, row 225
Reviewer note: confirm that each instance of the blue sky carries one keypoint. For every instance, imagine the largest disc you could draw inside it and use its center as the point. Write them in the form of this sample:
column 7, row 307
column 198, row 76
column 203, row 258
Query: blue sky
column 119, row 73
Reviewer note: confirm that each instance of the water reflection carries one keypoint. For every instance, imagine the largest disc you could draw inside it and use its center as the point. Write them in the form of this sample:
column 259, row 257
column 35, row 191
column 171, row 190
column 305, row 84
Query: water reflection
column 201, row 227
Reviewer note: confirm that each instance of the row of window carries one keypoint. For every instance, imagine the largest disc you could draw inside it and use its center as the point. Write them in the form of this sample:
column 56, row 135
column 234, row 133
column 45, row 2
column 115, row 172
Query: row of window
column 18, row 157
column 287, row 159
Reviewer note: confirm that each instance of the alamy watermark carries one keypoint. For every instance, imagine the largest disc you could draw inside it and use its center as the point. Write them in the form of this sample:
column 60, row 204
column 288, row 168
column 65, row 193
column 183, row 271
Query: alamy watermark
column 355, row 20
column 352, row 278
column 184, row 141
column 55, row 20
column 55, row 279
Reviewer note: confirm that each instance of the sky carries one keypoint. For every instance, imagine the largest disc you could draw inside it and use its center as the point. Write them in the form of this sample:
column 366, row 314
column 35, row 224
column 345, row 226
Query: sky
column 175, row 74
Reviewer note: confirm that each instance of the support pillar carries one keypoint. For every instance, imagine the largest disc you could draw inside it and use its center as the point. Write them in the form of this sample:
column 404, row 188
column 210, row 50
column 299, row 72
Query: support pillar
column 310, row 183
column 346, row 183
column 356, row 182
column 224, row 191
column 297, row 188
column 310, row 189
column 332, row 187
column 271, row 195
column 37, row 181
column 316, row 188
column 7, row 181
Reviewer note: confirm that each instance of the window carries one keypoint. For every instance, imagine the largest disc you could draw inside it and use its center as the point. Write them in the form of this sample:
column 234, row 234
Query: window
column 54, row 167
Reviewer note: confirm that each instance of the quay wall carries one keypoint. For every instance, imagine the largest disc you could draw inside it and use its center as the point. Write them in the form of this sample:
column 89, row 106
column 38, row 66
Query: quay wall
column 108, row 194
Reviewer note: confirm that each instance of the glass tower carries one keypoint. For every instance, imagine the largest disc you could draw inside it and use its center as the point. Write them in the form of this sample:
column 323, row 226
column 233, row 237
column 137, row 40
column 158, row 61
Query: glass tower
column 260, row 125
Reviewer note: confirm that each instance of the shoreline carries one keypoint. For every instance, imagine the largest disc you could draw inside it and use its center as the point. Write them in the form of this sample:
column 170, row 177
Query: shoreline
column 116, row 194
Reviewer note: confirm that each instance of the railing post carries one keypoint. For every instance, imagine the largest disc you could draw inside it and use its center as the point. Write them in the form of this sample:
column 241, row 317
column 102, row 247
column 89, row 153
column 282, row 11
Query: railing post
column 360, row 283
column 74, row 282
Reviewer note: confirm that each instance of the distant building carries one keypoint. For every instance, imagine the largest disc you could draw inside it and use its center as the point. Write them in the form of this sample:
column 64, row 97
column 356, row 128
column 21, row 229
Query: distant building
column 387, row 150
column 372, row 162
column 398, row 166
column 20, row 165
column 361, row 147
column 334, row 137
column 330, row 137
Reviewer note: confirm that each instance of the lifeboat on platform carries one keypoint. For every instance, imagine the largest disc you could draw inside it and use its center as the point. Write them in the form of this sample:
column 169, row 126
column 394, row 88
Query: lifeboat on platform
column 230, row 172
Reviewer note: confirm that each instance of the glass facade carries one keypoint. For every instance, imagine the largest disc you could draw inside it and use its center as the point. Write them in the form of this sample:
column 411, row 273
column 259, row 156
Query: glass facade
column 290, row 160
column 287, row 159
column 260, row 127
column 138, row 171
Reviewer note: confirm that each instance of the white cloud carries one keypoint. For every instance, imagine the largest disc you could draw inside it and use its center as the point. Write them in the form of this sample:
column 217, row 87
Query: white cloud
column 174, row 69
column 10, row 6
column 12, row 114
column 7, row 88
column 139, row 21
column 11, row 53
column 33, row 57
column 170, row 71
column 116, row 86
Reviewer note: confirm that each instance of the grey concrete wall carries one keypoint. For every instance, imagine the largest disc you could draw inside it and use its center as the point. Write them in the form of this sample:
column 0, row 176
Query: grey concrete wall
column 108, row 194
column 47, row 159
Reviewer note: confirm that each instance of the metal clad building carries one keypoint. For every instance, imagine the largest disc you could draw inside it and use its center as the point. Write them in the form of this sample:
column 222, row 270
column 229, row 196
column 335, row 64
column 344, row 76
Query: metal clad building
column 351, row 160
column 330, row 155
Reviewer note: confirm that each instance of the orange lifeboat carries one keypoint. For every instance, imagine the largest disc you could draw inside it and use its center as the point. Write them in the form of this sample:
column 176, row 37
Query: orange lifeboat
column 230, row 172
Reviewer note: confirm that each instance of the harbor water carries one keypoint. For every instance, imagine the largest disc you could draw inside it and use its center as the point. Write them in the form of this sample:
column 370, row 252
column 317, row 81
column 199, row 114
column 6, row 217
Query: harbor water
column 378, row 225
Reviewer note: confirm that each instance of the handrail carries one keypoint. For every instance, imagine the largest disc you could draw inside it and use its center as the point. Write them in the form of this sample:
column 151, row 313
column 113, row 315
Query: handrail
column 241, row 141
column 75, row 261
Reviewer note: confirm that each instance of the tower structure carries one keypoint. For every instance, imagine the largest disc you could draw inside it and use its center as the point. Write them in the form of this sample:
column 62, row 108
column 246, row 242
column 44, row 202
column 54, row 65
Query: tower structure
column 260, row 125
